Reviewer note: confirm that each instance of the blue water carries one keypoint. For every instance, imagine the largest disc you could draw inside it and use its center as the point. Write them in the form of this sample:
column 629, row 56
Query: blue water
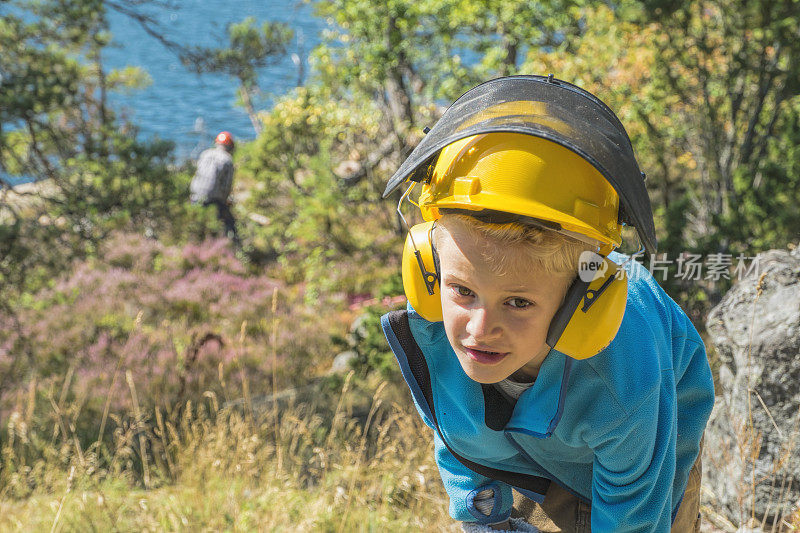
column 191, row 109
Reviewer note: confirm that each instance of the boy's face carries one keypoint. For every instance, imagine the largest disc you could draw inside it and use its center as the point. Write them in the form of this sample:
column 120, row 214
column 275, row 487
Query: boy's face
column 496, row 323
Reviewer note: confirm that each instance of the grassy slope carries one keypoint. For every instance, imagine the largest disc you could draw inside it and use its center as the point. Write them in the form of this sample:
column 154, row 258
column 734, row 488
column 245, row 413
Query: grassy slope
column 326, row 474
column 222, row 503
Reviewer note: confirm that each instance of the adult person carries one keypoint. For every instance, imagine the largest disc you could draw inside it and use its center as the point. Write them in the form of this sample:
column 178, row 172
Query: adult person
column 212, row 182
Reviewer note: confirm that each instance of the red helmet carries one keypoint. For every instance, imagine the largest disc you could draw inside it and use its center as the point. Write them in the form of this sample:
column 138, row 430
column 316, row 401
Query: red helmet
column 225, row 138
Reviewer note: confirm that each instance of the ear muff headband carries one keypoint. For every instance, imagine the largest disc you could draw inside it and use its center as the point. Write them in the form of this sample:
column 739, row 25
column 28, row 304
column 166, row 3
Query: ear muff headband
column 575, row 294
column 590, row 316
column 585, row 324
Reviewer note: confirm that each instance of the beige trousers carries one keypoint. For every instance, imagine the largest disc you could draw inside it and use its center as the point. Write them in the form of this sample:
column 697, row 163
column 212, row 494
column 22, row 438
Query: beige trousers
column 564, row 513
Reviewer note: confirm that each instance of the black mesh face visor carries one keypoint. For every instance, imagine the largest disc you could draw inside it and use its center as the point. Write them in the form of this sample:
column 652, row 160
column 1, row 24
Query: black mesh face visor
column 550, row 109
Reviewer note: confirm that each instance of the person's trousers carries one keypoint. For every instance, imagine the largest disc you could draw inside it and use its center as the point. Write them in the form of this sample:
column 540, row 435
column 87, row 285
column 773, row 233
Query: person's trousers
column 226, row 217
column 562, row 512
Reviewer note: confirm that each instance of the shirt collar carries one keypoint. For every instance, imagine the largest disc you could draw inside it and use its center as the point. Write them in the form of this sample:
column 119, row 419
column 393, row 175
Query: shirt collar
column 539, row 409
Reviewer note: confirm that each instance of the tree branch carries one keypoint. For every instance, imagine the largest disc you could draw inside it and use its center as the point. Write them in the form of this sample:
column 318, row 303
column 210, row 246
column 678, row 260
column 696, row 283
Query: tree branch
column 766, row 77
column 387, row 147
column 151, row 26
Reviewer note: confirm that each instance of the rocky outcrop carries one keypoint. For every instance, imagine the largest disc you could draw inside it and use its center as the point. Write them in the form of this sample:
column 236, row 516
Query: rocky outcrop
column 752, row 447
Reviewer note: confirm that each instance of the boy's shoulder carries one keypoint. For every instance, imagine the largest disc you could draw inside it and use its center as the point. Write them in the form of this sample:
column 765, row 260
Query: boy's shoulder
column 646, row 299
column 632, row 367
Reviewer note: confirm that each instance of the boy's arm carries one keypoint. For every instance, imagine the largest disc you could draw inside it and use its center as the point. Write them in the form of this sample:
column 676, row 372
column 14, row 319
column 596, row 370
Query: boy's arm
column 462, row 484
column 633, row 472
column 465, row 487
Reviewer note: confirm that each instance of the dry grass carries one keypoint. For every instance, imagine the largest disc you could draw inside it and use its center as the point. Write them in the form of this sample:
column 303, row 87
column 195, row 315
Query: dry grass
column 361, row 464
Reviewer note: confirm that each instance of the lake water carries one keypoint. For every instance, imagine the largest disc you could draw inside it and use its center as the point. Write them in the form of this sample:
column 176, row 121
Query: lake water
column 191, row 109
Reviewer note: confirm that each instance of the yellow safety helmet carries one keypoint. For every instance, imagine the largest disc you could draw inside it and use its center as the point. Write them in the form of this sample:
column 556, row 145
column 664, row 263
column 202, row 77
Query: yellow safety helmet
column 528, row 176
column 548, row 109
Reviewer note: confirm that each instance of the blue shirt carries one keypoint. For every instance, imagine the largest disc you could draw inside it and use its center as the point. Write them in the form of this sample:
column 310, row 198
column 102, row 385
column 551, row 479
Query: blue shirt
column 621, row 429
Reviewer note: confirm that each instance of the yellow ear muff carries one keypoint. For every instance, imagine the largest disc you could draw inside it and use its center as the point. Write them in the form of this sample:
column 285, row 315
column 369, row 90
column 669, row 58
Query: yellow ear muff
column 596, row 320
column 418, row 241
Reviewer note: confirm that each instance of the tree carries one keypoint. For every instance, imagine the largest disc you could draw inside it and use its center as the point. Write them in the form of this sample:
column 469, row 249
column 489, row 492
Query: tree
column 732, row 64
column 57, row 129
column 251, row 48
column 502, row 33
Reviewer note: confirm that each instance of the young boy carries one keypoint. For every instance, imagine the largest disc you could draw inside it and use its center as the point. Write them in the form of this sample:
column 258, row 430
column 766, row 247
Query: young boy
column 543, row 361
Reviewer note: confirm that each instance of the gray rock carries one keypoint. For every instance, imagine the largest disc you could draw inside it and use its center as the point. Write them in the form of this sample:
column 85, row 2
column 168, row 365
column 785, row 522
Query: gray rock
column 753, row 438
column 341, row 363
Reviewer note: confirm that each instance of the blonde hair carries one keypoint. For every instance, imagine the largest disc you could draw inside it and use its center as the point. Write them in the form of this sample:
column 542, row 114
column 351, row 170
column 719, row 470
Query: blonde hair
column 521, row 245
